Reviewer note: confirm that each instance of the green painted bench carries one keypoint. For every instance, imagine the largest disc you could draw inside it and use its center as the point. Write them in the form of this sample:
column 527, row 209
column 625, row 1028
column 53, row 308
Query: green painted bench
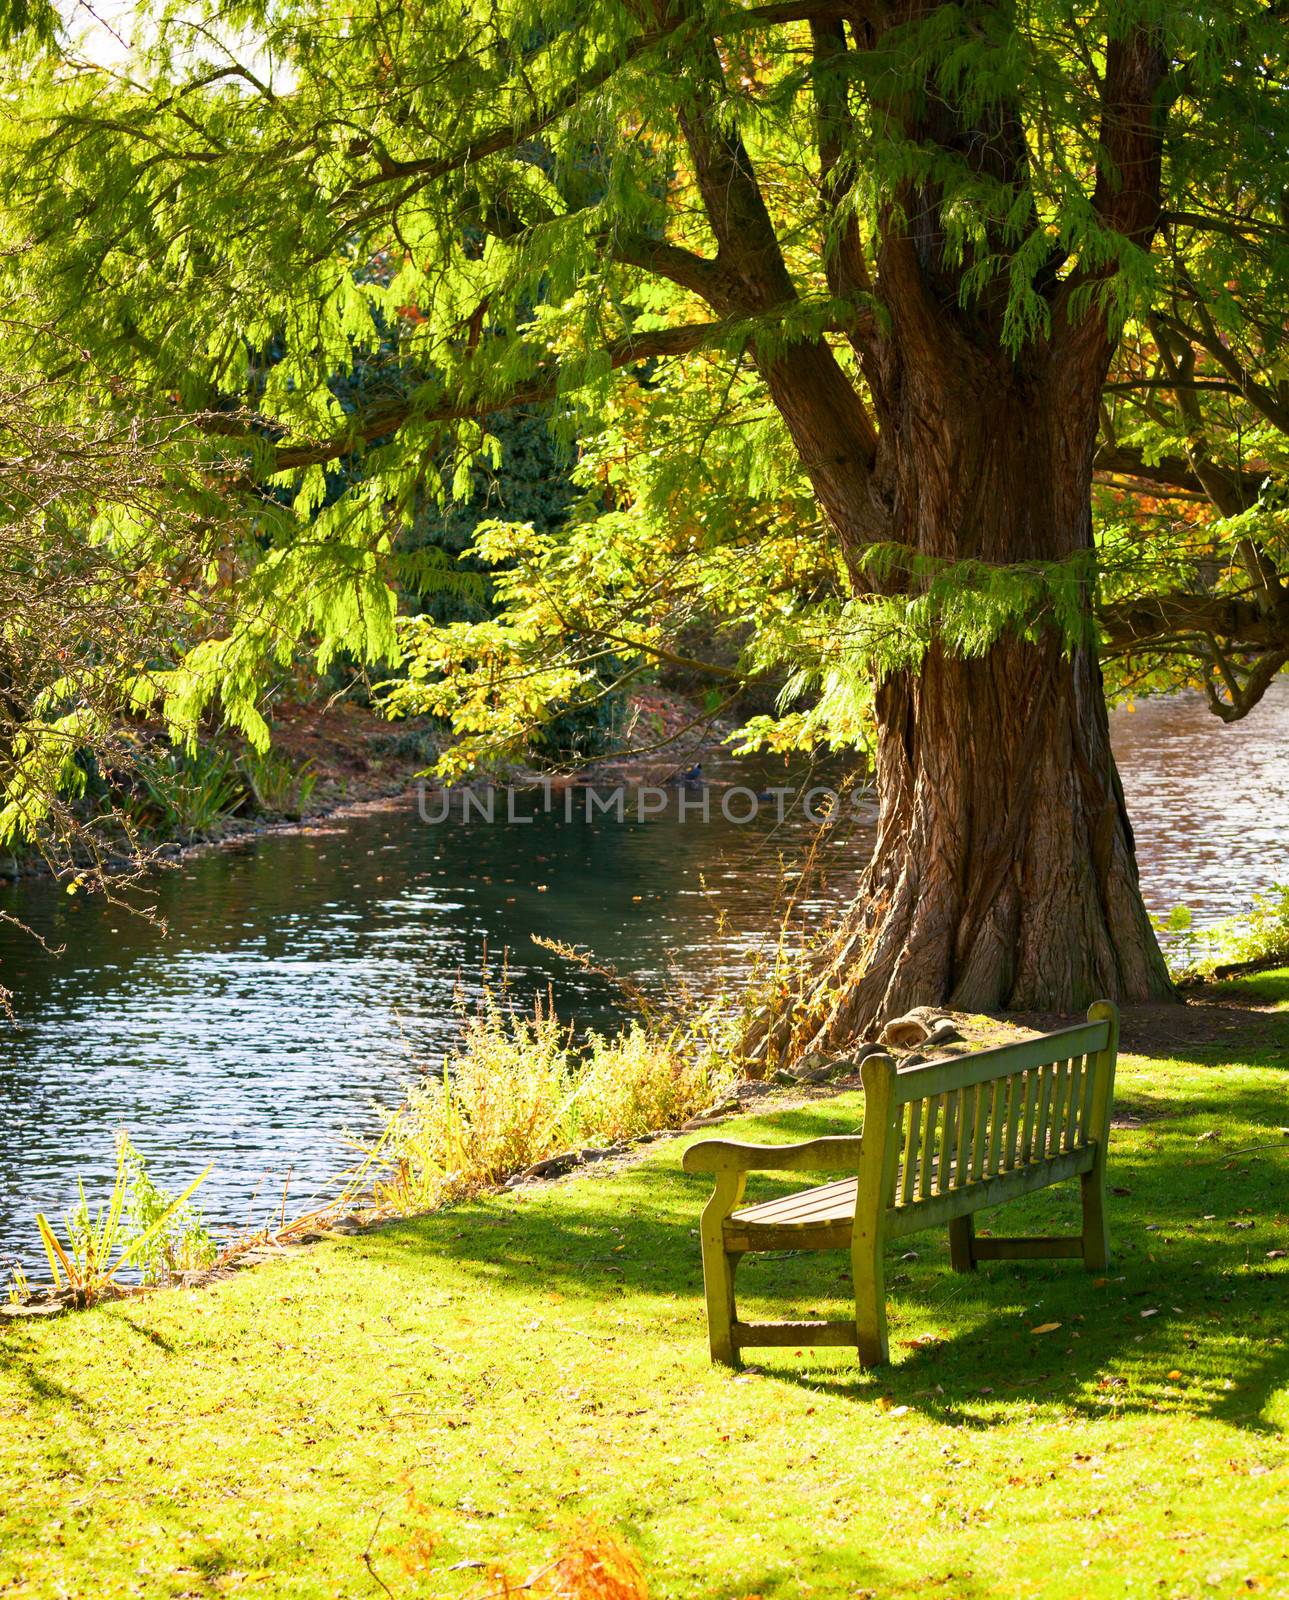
column 940, row 1142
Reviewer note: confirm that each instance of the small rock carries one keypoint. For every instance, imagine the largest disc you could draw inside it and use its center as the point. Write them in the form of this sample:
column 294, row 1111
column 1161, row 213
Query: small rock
column 943, row 1032
column 32, row 1308
column 601, row 1152
column 552, row 1166
column 818, row 1069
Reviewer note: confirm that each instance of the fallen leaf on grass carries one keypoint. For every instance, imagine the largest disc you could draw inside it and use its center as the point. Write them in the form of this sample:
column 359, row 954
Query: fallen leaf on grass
column 1046, row 1327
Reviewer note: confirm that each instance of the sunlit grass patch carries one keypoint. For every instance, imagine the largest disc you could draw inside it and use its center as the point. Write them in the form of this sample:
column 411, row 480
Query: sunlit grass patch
column 460, row 1392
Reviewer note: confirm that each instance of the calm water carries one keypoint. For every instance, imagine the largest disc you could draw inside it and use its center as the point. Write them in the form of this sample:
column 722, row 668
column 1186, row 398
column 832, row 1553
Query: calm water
column 302, row 977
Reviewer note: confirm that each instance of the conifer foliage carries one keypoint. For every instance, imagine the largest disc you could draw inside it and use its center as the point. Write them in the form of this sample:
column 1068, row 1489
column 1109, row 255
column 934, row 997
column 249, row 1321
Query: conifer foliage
column 852, row 306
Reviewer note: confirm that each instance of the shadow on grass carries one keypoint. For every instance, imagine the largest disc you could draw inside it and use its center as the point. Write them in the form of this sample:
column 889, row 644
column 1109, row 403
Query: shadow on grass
column 1187, row 1320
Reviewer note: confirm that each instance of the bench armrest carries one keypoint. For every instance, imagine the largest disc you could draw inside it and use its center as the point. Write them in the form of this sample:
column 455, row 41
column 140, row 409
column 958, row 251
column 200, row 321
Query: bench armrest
column 838, row 1153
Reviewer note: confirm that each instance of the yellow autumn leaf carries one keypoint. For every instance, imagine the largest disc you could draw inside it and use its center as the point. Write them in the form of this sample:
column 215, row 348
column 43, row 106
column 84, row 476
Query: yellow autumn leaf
column 1046, row 1327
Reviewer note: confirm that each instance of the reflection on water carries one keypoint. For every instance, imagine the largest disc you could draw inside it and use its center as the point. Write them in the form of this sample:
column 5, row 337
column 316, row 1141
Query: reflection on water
column 300, row 977
column 1209, row 801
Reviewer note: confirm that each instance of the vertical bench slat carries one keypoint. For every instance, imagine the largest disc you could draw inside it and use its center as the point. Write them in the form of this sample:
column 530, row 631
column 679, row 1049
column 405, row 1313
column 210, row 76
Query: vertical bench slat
column 948, row 1140
column 1014, row 1088
column 981, row 1114
column 897, row 1141
column 1044, row 1101
column 928, row 1146
column 912, row 1140
column 1089, row 1091
column 1070, row 1140
column 1056, row 1116
column 995, row 1129
column 1027, row 1127
column 966, row 1126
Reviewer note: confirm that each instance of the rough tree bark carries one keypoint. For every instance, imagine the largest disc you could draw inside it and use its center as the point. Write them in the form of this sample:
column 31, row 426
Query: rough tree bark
column 1004, row 874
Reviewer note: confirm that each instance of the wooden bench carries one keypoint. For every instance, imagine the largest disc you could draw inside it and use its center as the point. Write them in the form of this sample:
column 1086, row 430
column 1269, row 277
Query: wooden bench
column 940, row 1142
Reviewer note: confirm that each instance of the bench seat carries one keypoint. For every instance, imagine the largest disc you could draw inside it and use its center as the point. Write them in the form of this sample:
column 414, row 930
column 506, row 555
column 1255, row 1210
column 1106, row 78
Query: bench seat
column 810, row 1219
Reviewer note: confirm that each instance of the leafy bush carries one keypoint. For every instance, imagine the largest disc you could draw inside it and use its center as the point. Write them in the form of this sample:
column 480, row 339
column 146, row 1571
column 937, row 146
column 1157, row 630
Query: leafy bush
column 1259, row 934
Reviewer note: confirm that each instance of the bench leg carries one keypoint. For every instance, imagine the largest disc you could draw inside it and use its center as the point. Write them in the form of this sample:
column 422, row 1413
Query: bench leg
column 718, row 1268
column 1096, row 1227
column 962, row 1244
column 718, row 1283
column 870, row 1300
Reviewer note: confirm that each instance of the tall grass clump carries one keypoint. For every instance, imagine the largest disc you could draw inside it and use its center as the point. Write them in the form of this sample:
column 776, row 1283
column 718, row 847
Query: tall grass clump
column 517, row 1089
column 141, row 1226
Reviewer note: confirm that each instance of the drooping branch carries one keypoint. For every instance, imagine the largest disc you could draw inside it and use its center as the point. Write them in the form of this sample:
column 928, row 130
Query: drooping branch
column 511, row 135
column 701, row 276
column 1170, row 472
column 546, row 383
column 1242, row 693
column 820, row 406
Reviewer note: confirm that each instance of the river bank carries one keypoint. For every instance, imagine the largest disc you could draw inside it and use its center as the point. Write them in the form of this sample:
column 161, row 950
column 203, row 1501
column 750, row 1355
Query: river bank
column 400, row 1409
column 291, row 985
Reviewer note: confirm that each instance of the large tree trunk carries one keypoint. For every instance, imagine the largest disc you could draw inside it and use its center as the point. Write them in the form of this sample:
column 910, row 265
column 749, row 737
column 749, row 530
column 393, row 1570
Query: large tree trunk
column 1004, row 873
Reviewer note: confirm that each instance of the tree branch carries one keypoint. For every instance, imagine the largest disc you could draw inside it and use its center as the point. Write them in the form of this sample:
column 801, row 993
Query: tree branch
column 707, row 279
column 544, row 385
column 1244, row 624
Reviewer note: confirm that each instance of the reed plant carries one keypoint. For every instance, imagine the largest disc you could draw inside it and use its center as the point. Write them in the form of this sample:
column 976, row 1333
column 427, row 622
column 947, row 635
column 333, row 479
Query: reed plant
column 278, row 786
column 134, row 1227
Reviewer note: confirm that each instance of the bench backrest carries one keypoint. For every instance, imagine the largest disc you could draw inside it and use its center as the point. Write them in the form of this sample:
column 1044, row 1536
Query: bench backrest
column 949, row 1135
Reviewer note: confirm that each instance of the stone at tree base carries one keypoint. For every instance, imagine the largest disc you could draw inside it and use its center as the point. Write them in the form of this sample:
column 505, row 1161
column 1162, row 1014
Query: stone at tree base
column 905, row 1032
column 552, row 1166
column 944, row 1032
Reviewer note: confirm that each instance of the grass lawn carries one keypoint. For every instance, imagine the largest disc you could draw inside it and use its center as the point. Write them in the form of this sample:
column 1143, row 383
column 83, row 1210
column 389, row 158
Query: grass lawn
column 457, row 1389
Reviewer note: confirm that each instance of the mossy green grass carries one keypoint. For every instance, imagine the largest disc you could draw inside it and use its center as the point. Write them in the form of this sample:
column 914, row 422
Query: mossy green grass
column 378, row 1414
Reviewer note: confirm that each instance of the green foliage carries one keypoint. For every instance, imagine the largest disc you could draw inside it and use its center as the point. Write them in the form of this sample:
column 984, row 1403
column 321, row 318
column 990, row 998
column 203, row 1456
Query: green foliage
column 515, row 1090
column 189, row 791
column 172, row 1234
column 277, row 785
column 1258, row 935
column 333, row 269
column 138, row 1225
